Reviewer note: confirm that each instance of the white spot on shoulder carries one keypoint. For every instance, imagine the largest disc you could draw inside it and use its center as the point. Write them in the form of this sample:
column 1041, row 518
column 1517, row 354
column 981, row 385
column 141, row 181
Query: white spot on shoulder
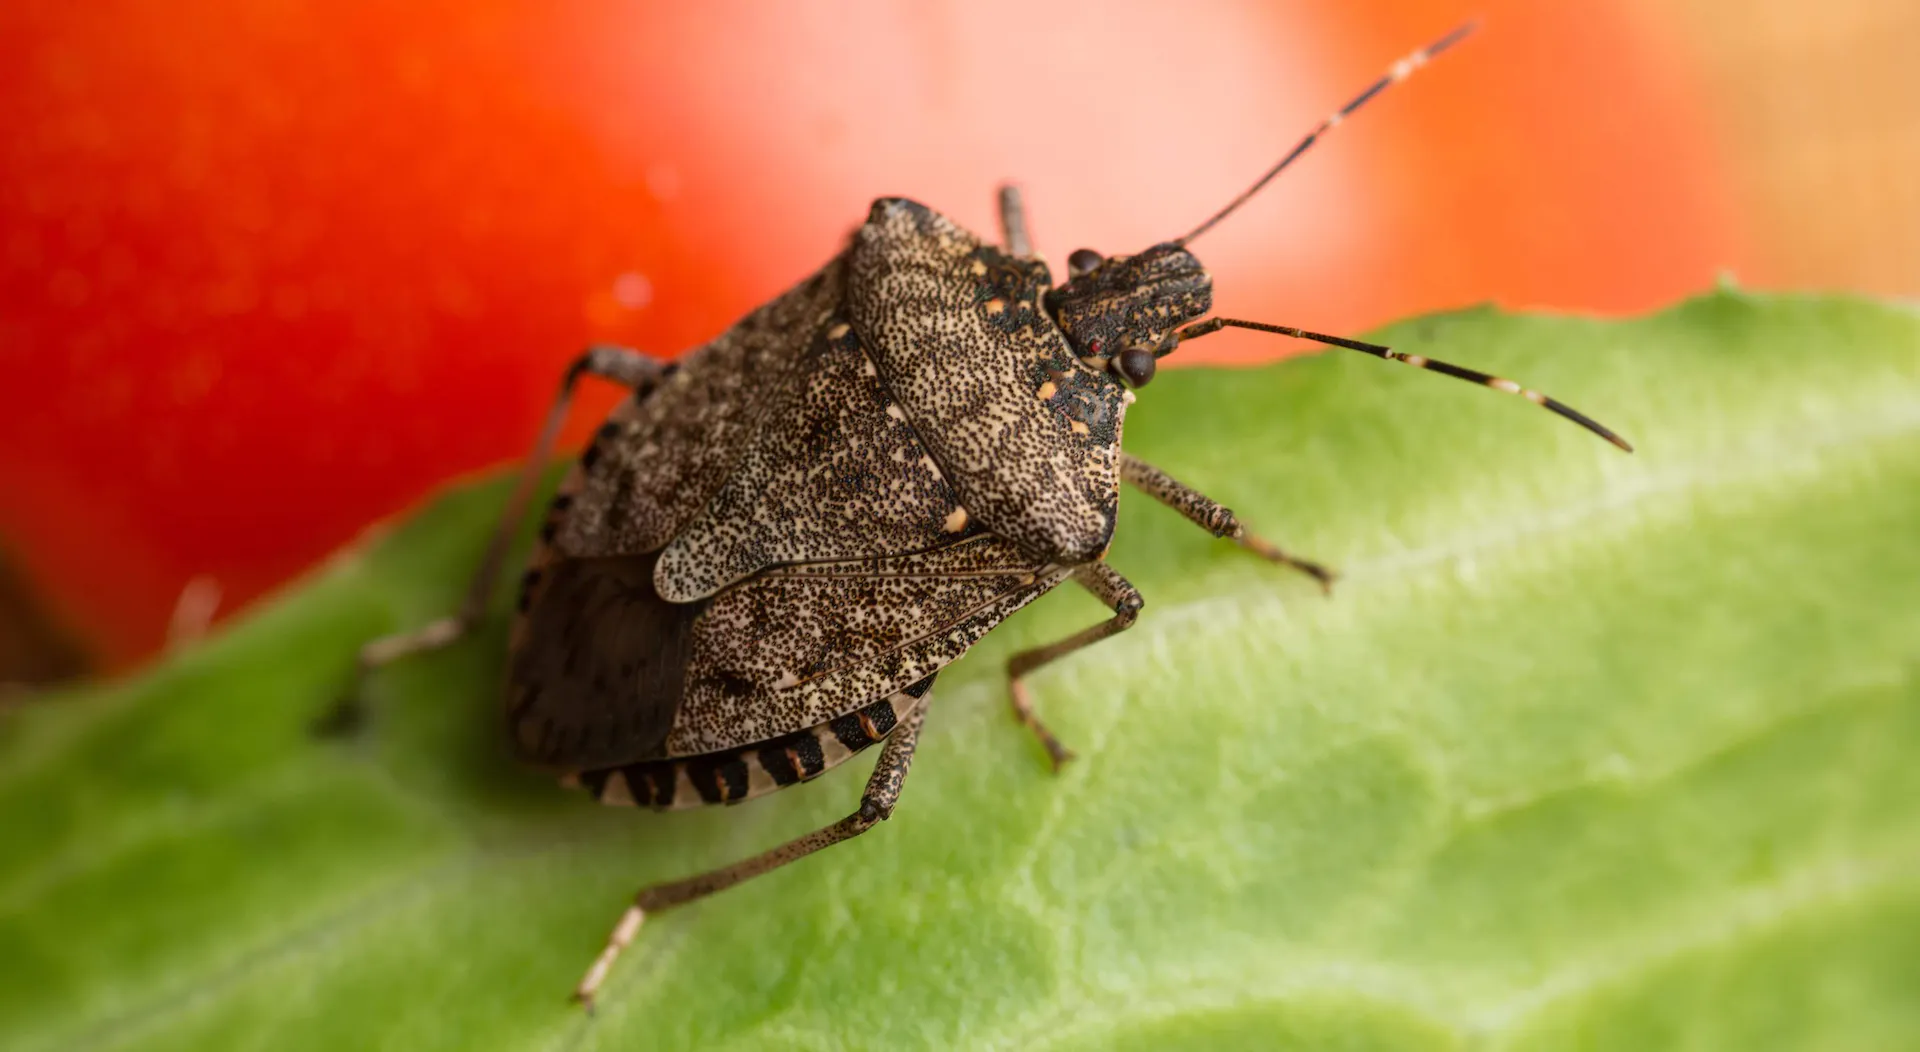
column 956, row 520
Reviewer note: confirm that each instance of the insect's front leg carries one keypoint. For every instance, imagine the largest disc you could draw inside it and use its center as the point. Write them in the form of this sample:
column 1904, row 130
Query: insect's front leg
column 1013, row 222
column 1212, row 516
column 619, row 364
column 1110, row 588
column 876, row 806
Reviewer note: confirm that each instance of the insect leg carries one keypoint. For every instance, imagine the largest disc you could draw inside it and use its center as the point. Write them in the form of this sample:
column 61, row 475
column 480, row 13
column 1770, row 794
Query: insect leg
column 618, row 364
column 1110, row 588
column 1212, row 516
column 876, row 806
column 1013, row 222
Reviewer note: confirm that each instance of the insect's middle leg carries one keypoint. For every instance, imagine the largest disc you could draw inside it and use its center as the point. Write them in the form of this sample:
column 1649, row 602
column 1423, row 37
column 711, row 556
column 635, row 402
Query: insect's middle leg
column 1212, row 516
column 622, row 366
column 1110, row 588
column 876, row 806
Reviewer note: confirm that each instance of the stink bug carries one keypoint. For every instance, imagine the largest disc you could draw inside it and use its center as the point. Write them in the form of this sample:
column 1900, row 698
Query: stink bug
column 769, row 551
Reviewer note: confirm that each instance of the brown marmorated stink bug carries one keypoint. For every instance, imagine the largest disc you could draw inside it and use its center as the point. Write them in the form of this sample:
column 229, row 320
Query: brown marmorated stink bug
column 769, row 551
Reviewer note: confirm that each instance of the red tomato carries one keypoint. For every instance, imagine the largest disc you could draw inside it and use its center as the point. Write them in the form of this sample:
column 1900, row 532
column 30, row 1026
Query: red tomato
column 269, row 272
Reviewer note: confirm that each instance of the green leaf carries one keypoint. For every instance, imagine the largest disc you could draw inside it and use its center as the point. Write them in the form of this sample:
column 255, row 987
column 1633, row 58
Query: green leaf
column 1586, row 750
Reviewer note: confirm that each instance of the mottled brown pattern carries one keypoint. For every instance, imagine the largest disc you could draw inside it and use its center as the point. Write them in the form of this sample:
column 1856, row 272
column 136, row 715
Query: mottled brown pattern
column 799, row 646
column 962, row 341
column 670, row 453
column 833, row 505
column 831, row 475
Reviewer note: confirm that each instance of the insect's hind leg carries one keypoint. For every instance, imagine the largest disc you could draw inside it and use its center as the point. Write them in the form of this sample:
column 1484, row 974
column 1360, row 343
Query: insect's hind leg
column 1013, row 222
column 1109, row 587
column 619, row 364
column 1212, row 516
column 876, row 806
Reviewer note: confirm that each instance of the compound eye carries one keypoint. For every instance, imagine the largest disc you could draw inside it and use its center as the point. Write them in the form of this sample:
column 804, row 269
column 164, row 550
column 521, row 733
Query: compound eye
column 1083, row 260
column 1135, row 366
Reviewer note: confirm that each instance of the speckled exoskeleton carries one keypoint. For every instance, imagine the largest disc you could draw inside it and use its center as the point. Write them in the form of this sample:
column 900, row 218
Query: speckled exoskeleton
column 772, row 548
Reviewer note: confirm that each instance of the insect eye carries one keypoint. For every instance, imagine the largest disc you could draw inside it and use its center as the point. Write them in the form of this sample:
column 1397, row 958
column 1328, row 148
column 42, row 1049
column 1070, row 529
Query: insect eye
column 1134, row 366
column 1082, row 260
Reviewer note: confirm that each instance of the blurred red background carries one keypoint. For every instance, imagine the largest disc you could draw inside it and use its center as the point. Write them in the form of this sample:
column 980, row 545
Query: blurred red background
column 269, row 272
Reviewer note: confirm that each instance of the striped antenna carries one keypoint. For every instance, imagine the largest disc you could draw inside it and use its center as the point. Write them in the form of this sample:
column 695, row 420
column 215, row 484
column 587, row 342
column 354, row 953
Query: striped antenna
column 1401, row 70
column 1552, row 405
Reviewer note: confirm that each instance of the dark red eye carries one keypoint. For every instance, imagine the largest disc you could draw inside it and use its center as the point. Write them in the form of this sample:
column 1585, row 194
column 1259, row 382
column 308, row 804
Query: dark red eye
column 1082, row 260
column 1134, row 366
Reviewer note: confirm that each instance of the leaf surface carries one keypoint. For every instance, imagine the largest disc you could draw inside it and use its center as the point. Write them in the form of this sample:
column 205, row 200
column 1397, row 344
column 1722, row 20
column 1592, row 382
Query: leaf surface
column 1586, row 750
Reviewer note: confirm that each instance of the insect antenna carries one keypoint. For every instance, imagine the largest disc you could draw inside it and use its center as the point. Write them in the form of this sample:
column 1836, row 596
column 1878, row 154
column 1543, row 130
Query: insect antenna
column 1399, row 72
column 1212, row 325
